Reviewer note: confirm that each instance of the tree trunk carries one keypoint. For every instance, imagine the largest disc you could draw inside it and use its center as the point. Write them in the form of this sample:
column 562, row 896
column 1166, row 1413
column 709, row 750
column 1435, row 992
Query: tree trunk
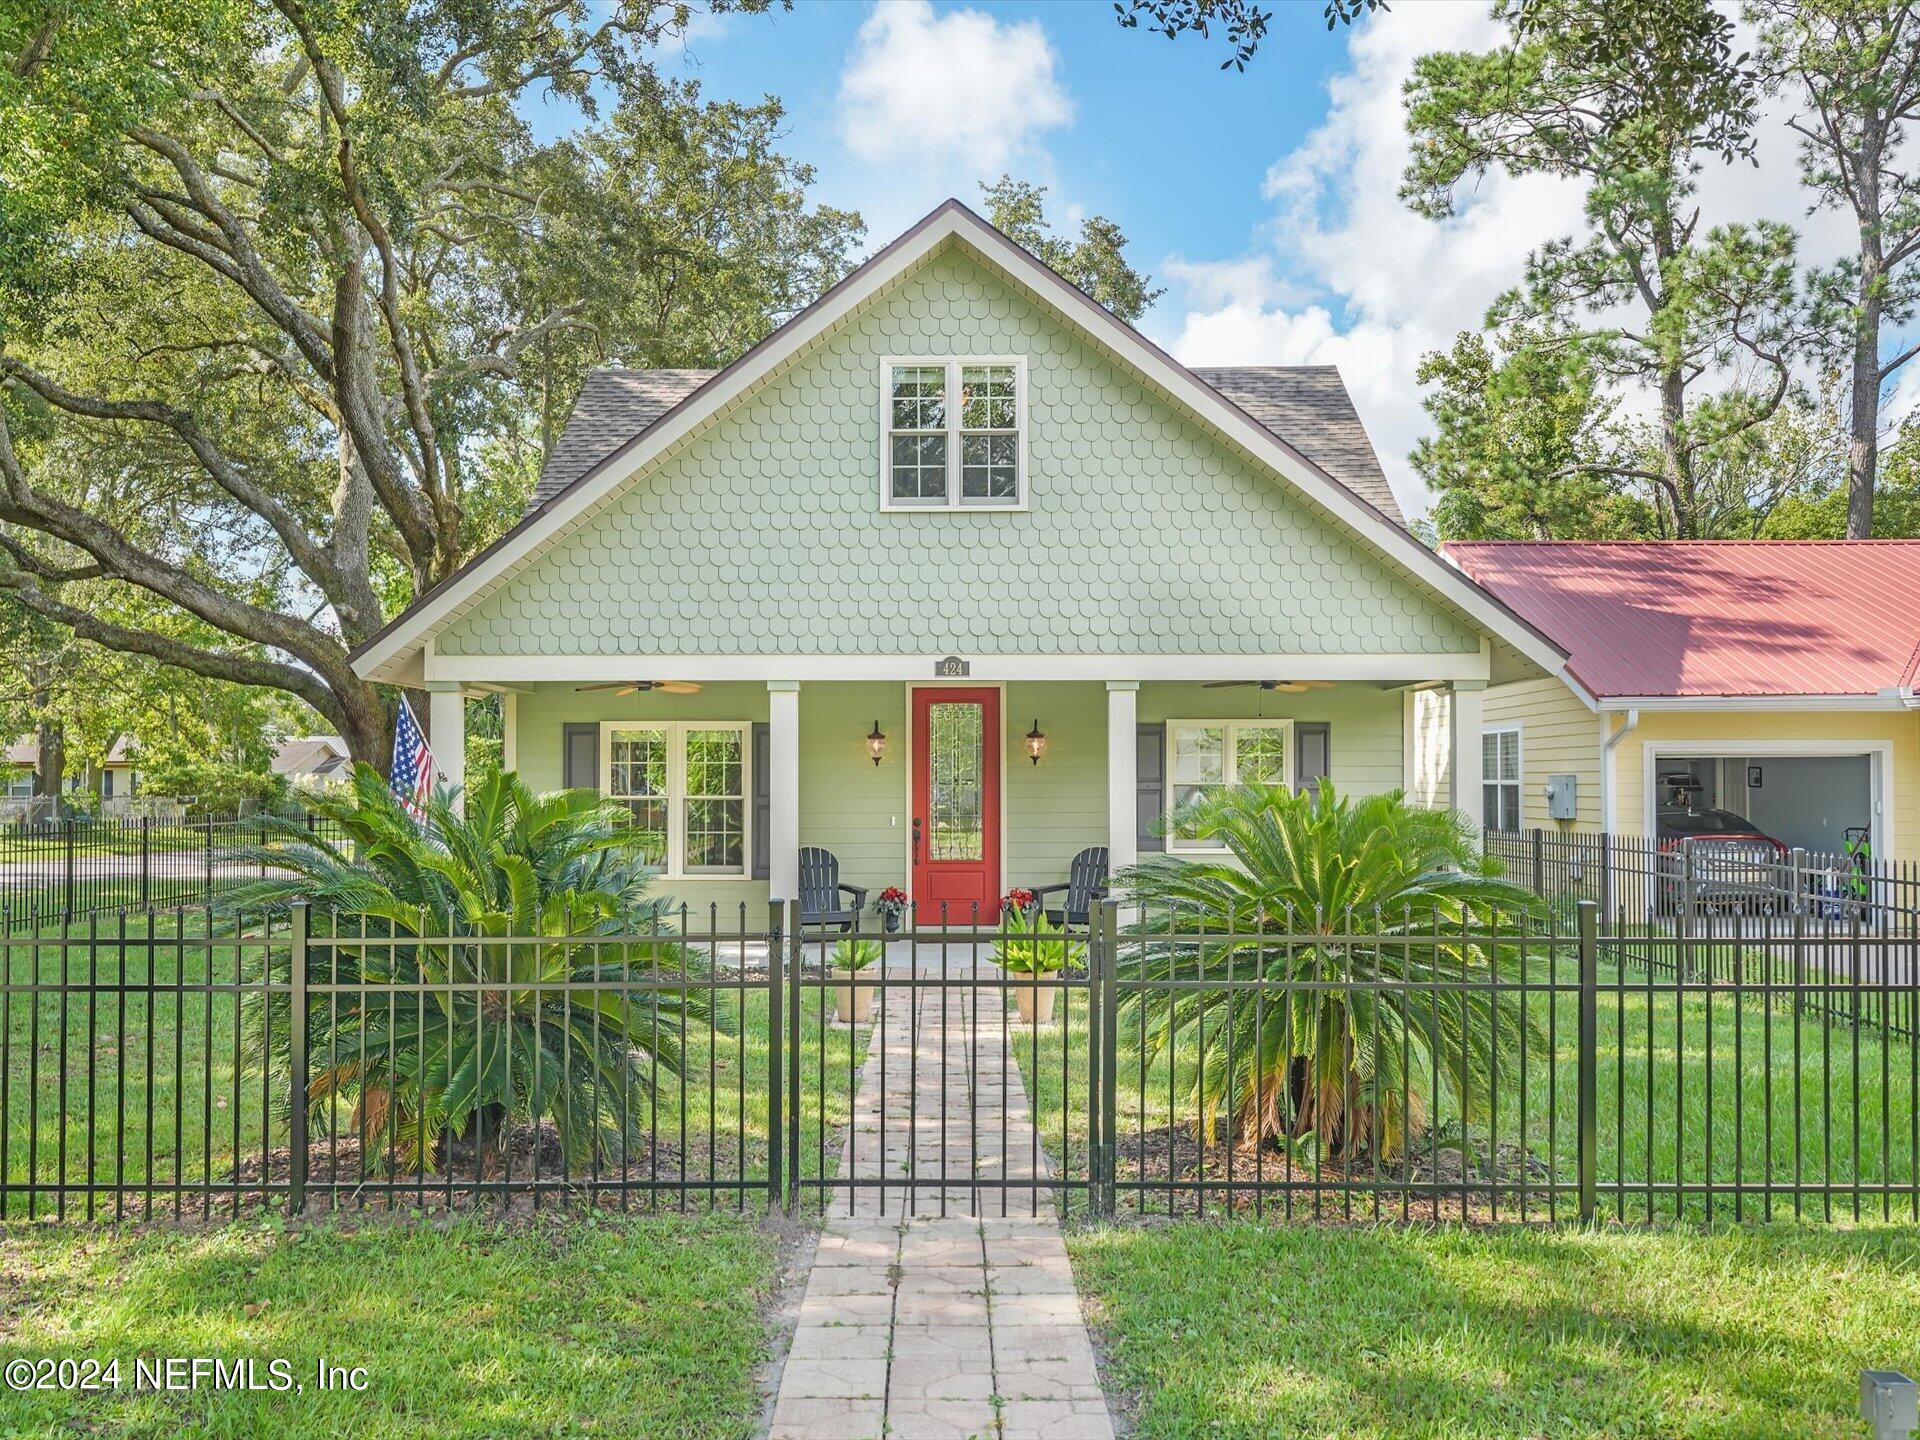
column 368, row 727
column 1863, row 420
column 1674, row 461
column 50, row 769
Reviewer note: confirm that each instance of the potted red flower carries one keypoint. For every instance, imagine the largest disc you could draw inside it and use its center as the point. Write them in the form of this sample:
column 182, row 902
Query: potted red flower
column 891, row 905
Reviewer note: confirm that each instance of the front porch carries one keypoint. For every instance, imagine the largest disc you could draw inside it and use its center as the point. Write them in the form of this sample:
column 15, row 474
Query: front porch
column 735, row 776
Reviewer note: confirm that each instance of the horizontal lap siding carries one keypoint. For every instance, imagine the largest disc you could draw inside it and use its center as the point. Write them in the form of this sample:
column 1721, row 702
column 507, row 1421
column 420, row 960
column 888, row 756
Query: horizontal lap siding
column 1559, row 735
column 847, row 805
column 1059, row 807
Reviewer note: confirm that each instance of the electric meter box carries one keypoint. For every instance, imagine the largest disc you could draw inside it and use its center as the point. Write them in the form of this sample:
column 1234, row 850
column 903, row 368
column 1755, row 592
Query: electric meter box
column 1563, row 797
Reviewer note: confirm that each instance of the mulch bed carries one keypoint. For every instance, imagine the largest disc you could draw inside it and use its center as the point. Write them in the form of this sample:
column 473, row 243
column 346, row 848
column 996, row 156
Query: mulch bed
column 1441, row 1178
column 340, row 1175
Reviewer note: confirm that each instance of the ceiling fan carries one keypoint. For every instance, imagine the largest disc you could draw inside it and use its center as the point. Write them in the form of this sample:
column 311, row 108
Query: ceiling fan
column 1286, row 687
column 630, row 687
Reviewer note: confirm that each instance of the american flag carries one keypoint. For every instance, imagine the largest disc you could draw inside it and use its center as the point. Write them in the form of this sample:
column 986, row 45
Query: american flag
column 412, row 775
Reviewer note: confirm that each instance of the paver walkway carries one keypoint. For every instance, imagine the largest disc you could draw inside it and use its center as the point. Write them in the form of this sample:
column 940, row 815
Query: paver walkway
column 941, row 1311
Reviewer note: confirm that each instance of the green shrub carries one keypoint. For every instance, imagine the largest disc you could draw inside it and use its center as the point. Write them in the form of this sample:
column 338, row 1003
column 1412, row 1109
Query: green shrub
column 1031, row 944
column 852, row 955
column 1384, row 883
column 534, row 890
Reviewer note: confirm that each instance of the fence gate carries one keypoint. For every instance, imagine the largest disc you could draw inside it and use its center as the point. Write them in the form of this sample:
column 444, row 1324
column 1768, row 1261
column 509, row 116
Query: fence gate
column 960, row 1063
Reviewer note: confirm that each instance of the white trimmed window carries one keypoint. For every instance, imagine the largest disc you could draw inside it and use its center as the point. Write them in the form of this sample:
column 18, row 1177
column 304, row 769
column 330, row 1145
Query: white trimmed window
column 1204, row 756
column 1500, row 779
column 684, row 783
column 955, row 433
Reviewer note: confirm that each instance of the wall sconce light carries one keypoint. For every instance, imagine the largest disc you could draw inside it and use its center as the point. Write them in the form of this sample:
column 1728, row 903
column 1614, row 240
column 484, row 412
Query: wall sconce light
column 1036, row 743
column 876, row 743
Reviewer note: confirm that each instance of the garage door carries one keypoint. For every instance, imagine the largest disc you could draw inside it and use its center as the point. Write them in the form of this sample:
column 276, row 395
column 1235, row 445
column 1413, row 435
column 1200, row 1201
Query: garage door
column 1811, row 801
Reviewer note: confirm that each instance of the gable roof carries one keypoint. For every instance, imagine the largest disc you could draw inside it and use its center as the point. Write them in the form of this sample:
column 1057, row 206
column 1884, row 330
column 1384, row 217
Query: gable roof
column 27, row 752
column 317, row 755
column 1791, row 618
column 1305, row 405
column 394, row 652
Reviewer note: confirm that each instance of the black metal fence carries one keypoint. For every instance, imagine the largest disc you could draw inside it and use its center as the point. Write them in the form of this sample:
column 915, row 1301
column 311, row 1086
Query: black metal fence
column 1640, row 884
column 56, row 872
column 1525, row 1067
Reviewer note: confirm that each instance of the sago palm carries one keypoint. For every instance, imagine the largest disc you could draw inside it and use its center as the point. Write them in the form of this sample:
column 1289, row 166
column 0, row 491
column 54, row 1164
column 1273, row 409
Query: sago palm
column 461, row 928
column 1389, row 910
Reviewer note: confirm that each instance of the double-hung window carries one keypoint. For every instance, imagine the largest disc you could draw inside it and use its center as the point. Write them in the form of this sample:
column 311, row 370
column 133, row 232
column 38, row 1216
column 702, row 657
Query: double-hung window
column 955, row 433
column 684, row 783
column 1500, row 779
column 1206, row 756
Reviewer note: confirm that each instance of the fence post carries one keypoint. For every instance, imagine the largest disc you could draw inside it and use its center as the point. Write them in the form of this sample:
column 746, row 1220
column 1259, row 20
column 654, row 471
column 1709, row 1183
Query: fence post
column 146, row 861
column 1105, row 951
column 1797, row 878
column 796, row 942
column 1606, row 873
column 1539, row 862
column 69, row 885
column 210, row 823
column 1589, row 1097
column 297, row 1066
column 776, row 1057
column 1683, row 922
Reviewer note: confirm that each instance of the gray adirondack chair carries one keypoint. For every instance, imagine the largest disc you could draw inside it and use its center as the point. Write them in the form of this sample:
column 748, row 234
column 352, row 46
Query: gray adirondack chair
column 1086, row 882
column 820, row 892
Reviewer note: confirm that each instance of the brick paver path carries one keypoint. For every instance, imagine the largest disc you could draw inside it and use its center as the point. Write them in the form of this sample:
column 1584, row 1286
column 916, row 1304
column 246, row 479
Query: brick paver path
column 941, row 1311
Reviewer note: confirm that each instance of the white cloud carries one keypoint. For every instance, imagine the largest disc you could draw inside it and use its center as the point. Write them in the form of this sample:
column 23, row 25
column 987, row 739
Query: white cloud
column 1345, row 274
column 958, row 92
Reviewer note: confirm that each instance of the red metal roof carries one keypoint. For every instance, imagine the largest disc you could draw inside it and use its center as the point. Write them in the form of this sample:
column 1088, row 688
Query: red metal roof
column 1720, row 617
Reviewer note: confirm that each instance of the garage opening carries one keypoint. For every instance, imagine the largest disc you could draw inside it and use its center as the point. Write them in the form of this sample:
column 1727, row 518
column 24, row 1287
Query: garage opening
column 1822, row 803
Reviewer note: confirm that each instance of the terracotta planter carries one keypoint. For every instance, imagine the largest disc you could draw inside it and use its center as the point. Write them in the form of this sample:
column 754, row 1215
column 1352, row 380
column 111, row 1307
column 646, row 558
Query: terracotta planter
column 853, row 1002
column 1035, row 1002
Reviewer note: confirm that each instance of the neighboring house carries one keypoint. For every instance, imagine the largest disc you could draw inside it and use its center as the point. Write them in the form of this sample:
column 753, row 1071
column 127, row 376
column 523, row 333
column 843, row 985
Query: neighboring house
column 1772, row 679
column 954, row 575
column 119, row 779
column 313, row 760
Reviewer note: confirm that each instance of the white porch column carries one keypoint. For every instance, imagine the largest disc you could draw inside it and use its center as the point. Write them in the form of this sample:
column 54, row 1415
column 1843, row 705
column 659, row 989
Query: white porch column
column 1123, row 790
column 783, row 778
column 510, row 731
column 1463, row 769
column 447, row 733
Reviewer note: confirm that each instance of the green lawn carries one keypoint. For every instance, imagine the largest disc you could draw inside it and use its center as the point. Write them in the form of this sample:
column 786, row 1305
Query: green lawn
column 1232, row 1329
column 620, row 1327
column 1706, row 1085
column 209, row 1101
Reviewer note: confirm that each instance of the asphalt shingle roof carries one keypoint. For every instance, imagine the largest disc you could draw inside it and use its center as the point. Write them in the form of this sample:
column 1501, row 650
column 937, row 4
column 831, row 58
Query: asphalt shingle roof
column 1305, row 405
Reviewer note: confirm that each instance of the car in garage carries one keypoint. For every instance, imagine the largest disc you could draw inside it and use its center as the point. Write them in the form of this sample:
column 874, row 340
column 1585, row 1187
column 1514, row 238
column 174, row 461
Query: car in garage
column 1729, row 862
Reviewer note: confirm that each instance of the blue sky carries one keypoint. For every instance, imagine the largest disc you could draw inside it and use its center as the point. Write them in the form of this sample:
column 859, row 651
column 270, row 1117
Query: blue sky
column 1264, row 201
column 1159, row 137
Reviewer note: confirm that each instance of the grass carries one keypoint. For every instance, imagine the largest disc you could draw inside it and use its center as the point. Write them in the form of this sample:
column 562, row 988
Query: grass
column 608, row 1327
column 166, row 1086
column 1224, row 1330
column 1695, row 1086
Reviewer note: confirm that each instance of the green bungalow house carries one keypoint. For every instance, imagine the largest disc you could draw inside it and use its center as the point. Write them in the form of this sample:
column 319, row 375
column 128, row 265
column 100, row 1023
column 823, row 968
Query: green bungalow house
column 953, row 575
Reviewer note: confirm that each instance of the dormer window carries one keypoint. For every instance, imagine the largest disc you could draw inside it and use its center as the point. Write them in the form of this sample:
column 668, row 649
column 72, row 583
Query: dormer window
column 954, row 434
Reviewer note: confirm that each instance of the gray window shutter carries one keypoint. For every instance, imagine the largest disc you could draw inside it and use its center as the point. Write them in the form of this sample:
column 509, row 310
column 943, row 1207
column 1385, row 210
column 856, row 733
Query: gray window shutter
column 1150, row 783
column 762, row 855
column 580, row 756
column 1313, row 753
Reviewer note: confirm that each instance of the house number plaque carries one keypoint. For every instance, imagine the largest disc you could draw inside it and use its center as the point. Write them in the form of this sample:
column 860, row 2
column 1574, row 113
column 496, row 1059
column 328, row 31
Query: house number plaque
column 952, row 667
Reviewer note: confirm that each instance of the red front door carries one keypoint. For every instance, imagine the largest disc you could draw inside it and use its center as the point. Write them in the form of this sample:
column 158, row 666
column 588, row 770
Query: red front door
column 956, row 805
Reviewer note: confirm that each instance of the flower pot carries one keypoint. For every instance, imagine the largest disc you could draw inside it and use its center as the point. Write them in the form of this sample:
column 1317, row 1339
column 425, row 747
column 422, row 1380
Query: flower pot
column 1035, row 1002
column 890, row 920
column 853, row 1002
